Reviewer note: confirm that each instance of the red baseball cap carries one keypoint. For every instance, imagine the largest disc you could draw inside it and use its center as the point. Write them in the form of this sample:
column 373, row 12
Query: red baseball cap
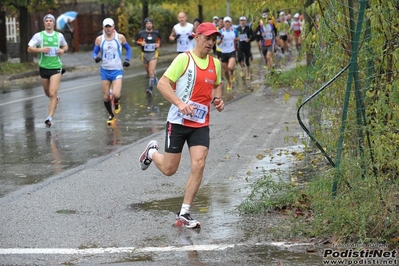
column 207, row 29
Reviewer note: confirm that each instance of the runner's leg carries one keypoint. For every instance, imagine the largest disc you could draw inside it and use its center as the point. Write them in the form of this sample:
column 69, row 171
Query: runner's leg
column 105, row 86
column 53, row 85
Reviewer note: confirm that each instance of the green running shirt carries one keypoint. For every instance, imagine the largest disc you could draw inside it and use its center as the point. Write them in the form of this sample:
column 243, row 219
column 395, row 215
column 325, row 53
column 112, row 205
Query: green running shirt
column 50, row 60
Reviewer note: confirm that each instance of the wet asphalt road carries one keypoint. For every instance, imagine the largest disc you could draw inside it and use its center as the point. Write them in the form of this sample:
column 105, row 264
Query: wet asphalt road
column 79, row 133
column 83, row 200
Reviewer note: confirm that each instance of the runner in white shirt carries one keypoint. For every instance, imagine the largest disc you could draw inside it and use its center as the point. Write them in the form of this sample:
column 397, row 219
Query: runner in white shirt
column 182, row 33
column 296, row 28
column 227, row 42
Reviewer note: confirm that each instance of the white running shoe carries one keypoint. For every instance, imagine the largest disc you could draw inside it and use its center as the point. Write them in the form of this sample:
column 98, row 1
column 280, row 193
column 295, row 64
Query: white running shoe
column 144, row 160
column 185, row 220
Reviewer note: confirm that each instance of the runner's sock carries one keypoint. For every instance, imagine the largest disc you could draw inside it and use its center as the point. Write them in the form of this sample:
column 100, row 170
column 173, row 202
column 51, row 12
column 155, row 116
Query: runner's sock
column 151, row 82
column 108, row 106
column 151, row 152
column 116, row 101
column 185, row 208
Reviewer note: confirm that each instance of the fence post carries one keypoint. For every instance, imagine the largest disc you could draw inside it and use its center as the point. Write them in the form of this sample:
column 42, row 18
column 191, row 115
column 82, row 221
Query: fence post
column 11, row 29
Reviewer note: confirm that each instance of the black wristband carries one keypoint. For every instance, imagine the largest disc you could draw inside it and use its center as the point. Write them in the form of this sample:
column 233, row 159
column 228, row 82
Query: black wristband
column 215, row 98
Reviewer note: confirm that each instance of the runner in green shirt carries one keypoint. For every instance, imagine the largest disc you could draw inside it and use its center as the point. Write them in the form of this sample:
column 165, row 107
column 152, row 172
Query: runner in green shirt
column 49, row 45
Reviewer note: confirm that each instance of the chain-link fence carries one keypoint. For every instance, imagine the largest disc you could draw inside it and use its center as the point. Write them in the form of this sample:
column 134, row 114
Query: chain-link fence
column 350, row 108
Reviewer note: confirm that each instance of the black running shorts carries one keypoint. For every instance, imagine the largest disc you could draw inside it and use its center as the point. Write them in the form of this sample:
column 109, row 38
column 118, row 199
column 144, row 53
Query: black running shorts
column 284, row 37
column 226, row 56
column 177, row 135
column 47, row 73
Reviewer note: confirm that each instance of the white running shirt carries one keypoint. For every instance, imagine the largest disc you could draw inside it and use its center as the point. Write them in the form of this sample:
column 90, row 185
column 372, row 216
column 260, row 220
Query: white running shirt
column 228, row 42
column 184, row 44
column 111, row 52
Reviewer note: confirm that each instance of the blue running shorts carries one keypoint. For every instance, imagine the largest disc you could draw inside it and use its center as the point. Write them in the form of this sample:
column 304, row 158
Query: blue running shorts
column 110, row 75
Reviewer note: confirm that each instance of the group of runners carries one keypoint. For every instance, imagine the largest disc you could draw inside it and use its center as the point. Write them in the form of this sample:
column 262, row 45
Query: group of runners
column 271, row 34
column 233, row 44
column 278, row 34
column 192, row 83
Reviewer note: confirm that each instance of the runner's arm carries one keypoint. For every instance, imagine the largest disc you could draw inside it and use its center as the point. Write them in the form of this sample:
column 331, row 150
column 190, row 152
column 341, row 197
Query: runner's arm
column 139, row 41
column 126, row 45
column 96, row 48
column 158, row 41
column 33, row 43
column 172, row 35
column 216, row 99
column 128, row 51
column 165, row 87
column 63, row 44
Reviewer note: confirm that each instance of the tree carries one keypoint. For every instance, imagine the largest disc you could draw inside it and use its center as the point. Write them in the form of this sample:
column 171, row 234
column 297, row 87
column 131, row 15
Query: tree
column 23, row 8
column 352, row 117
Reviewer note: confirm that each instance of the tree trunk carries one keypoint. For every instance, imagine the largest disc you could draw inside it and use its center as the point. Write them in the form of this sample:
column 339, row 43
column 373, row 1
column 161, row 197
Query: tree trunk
column 144, row 12
column 200, row 12
column 24, row 35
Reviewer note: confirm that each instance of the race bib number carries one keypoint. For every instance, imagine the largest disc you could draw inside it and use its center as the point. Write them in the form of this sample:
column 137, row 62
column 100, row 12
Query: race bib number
column 282, row 33
column 268, row 36
column 200, row 113
column 52, row 52
column 243, row 37
column 109, row 56
column 149, row 47
column 183, row 45
column 228, row 44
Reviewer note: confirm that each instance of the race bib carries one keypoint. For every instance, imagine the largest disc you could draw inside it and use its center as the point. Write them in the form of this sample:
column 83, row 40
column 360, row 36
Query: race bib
column 183, row 45
column 267, row 35
column 200, row 113
column 228, row 45
column 52, row 52
column 109, row 56
column 149, row 47
column 243, row 37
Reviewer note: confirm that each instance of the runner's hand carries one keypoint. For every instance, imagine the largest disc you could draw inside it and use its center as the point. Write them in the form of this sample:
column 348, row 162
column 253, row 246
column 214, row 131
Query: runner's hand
column 97, row 59
column 191, row 37
column 218, row 103
column 187, row 109
column 126, row 63
column 177, row 36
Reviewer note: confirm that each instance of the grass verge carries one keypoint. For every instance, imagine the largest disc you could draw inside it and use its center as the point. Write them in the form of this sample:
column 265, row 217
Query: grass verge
column 364, row 213
column 9, row 68
column 288, row 78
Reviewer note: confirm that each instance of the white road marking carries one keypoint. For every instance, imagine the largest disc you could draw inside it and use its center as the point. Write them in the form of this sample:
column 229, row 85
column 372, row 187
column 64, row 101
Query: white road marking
column 66, row 251
column 287, row 245
column 93, row 251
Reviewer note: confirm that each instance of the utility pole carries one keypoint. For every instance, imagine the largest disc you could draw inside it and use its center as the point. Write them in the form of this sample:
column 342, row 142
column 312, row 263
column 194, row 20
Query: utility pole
column 228, row 8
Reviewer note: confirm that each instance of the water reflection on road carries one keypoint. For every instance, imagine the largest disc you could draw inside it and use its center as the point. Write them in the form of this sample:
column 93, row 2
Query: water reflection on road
column 31, row 153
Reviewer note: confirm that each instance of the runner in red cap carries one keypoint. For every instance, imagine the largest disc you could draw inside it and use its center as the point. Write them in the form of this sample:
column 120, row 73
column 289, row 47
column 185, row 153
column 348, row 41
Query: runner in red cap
column 191, row 84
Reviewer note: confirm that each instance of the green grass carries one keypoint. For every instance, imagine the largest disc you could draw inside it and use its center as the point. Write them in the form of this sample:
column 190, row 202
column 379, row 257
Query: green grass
column 288, row 78
column 8, row 68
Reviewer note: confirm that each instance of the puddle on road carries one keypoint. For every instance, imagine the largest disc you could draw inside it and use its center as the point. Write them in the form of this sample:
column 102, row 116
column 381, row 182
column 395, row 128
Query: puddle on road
column 34, row 155
column 215, row 206
column 285, row 163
